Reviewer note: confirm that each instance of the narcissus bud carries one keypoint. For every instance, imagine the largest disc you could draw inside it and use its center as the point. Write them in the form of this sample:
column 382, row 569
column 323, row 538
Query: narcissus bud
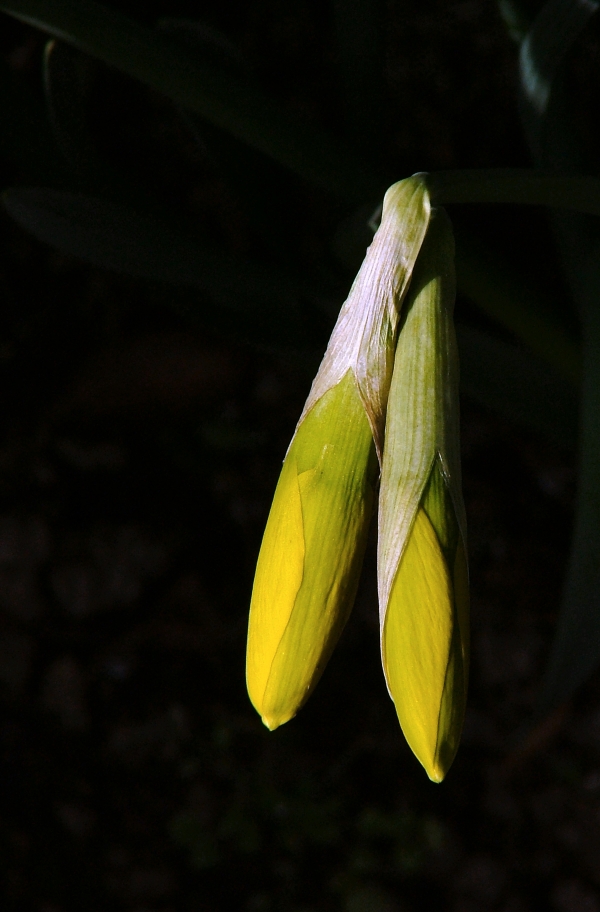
column 313, row 545
column 422, row 569
column 312, row 551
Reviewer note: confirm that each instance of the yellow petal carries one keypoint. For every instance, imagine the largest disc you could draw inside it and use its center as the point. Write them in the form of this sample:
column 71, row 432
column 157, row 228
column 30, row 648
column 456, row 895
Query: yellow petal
column 312, row 553
column 417, row 648
column 277, row 580
column 439, row 508
column 437, row 503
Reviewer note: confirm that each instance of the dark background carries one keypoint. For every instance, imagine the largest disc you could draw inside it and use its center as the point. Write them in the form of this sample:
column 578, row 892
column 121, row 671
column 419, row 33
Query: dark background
column 142, row 436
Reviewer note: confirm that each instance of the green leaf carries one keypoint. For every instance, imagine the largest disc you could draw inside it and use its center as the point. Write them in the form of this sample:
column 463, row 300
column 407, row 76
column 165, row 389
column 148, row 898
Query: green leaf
column 521, row 186
column 265, row 304
column 546, row 113
column 26, row 137
column 575, row 653
column 555, row 29
column 66, row 73
column 511, row 382
column 516, row 302
column 216, row 47
column 516, row 17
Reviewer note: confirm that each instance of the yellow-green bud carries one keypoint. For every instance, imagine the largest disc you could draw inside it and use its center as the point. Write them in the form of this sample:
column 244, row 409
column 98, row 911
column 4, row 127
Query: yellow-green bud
column 422, row 569
column 312, row 552
column 313, row 546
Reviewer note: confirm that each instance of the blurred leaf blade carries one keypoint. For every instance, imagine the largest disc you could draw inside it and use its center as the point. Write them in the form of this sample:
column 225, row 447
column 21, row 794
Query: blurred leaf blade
column 26, row 138
column 109, row 236
column 543, row 50
column 547, row 120
column 487, row 279
column 115, row 237
column 225, row 99
column 575, row 652
column 218, row 95
column 63, row 88
column 517, row 186
column 506, row 379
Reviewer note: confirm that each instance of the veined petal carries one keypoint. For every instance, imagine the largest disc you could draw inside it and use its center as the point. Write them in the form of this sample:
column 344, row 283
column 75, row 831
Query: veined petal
column 312, row 553
column 277, row 580
column 416, row 640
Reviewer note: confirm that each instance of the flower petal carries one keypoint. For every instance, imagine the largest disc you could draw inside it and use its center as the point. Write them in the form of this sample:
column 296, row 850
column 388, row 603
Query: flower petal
column 297, row 618
column 416, row 641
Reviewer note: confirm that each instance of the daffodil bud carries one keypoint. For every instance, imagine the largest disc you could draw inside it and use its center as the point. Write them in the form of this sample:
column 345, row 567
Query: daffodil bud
column 312, row 551
column 313, row 545
column 422, row 568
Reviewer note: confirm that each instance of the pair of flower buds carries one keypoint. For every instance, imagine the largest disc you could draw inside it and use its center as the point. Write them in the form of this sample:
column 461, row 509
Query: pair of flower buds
column 382, row 408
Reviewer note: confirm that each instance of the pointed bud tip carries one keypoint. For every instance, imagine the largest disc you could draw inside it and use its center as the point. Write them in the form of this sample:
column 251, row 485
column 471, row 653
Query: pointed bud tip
column 436, row 774
column 273, row 722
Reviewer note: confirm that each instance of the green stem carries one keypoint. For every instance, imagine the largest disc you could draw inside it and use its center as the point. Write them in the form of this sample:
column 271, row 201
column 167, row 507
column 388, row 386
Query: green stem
column 517, row 186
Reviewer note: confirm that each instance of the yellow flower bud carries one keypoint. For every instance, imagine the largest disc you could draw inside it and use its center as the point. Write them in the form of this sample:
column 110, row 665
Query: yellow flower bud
column 422, row 569
column 312, row 552
column 313, row 546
